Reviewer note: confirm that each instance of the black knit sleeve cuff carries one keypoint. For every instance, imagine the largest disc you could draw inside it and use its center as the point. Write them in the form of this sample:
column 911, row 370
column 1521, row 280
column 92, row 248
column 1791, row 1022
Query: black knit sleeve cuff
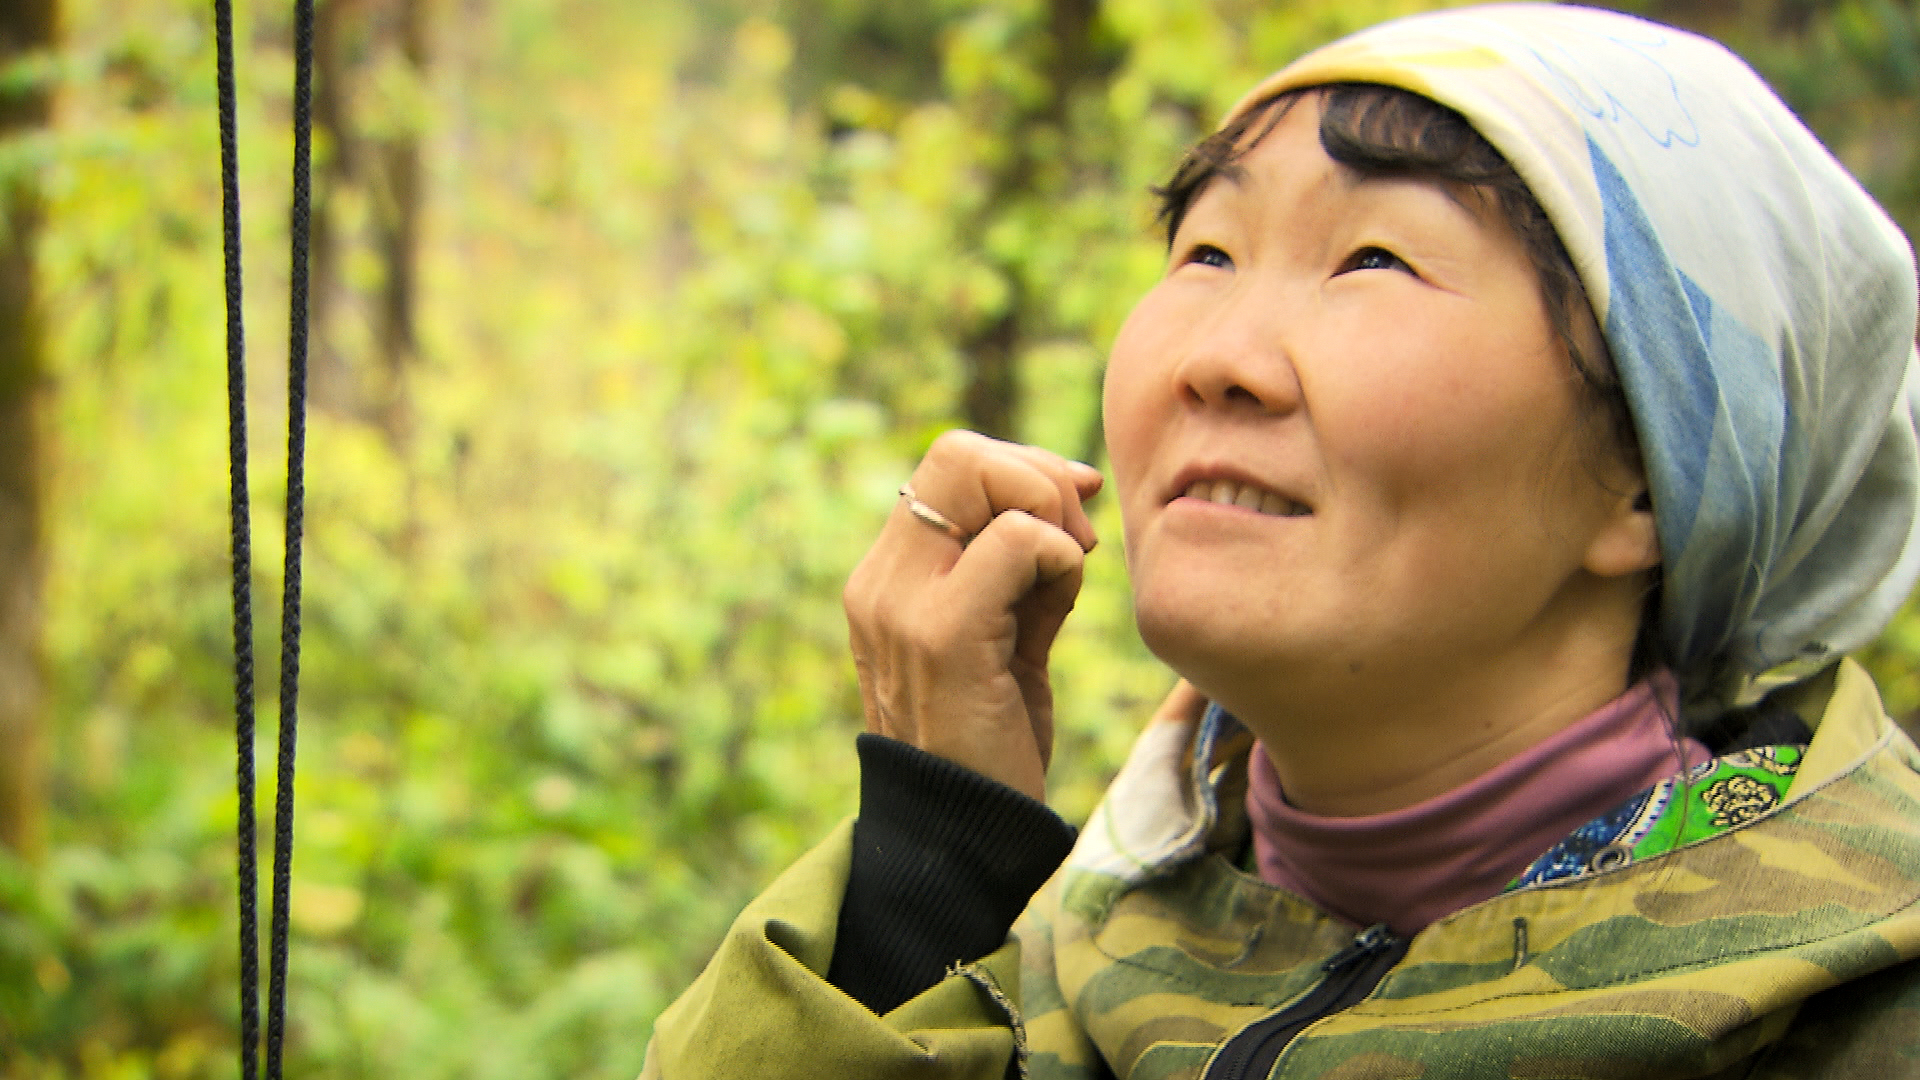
column 944, row 861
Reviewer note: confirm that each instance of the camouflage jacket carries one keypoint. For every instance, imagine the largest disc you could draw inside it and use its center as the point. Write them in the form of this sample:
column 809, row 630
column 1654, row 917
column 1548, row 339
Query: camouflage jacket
column 1781, row 948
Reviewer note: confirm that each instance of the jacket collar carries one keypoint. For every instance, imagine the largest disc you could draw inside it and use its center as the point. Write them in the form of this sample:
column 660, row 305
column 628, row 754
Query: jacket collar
column 1165, row 807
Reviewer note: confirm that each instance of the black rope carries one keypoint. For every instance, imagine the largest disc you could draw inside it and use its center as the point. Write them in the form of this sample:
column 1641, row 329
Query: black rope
column 300, row 229
column 296, row 508
column 242, row 547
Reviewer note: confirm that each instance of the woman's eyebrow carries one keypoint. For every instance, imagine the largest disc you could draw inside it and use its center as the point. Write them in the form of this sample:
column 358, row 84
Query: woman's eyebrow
column 1455, row 191
column 1231, row 171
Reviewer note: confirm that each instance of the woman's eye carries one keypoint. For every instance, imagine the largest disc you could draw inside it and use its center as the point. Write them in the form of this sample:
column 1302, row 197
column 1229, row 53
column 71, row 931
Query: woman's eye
column 1208, row 255
column 1374, row 258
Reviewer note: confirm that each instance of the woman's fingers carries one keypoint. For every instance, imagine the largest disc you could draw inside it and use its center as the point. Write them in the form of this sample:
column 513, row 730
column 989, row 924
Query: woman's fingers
column 1077, row 482
column 970, row 479
column 1016, row 552
column 1004, row 599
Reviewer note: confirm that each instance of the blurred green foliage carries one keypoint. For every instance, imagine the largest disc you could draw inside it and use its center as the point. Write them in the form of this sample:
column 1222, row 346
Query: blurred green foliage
column 697, row 287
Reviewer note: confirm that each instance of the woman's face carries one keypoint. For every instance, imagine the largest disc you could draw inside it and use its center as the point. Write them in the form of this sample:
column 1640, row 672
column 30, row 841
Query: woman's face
column 1347, row 442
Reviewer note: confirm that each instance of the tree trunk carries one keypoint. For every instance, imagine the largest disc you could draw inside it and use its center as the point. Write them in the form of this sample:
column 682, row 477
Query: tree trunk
column 397, row 237
column 991, row 400
column 26, row 26
column 330, row 384
column 352, row 39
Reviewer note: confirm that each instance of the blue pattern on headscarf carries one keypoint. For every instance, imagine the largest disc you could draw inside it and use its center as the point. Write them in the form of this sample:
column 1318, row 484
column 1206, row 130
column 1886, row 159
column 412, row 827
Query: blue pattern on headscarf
column 1582, row 81
column 1706, row 394
column 1648, row 304
column 1702, row 310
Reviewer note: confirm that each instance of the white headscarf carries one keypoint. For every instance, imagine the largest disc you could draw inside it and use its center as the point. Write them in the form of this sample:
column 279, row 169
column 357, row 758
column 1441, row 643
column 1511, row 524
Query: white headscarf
column 1759, row 307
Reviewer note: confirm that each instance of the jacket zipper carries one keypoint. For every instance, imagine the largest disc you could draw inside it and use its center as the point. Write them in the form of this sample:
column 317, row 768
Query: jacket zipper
column 1352, row 974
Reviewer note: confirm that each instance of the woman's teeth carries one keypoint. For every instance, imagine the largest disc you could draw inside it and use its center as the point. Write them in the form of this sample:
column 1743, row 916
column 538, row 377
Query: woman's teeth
column 1231, row 493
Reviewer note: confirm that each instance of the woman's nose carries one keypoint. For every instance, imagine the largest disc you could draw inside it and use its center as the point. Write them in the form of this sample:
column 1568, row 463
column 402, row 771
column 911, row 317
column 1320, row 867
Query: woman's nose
column 1240, row 359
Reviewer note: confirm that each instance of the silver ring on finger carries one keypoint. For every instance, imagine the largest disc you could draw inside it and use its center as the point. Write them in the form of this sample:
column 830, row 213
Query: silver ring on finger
column 933, row 517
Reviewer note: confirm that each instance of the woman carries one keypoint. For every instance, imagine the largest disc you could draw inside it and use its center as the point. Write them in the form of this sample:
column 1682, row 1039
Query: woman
column 1519, row 438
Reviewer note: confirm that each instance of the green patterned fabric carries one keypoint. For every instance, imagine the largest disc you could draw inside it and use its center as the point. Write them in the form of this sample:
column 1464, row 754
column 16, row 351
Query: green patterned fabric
column 1780, row 945
column 1709, row 799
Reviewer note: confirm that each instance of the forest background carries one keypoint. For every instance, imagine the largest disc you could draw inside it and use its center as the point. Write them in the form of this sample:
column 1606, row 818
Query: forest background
column 629, row 319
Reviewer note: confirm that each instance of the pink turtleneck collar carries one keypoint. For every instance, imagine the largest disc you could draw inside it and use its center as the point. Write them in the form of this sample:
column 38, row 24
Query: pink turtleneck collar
column 1411, row 866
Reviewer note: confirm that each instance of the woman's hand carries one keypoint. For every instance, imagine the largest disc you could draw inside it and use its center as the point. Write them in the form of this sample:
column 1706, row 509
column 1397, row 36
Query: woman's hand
column 951, row 639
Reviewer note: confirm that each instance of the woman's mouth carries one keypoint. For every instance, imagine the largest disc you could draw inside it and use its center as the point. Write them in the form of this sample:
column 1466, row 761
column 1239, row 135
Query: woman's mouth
column 1245, row 496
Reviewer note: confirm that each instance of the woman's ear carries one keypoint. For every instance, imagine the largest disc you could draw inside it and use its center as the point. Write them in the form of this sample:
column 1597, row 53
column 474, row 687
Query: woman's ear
column 1627, row 542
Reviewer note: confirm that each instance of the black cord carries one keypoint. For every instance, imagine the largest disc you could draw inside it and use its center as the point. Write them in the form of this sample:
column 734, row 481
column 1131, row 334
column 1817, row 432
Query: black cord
column 241, row 540
column 242, row 547
column 300, row 228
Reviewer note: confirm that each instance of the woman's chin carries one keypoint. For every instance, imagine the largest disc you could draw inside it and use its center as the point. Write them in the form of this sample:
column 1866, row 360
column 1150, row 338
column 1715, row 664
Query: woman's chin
column 1253, row 665
column 1209, row 651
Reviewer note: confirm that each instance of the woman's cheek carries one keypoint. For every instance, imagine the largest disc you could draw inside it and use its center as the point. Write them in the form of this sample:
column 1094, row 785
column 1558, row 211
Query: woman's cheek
column 1130, row 420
